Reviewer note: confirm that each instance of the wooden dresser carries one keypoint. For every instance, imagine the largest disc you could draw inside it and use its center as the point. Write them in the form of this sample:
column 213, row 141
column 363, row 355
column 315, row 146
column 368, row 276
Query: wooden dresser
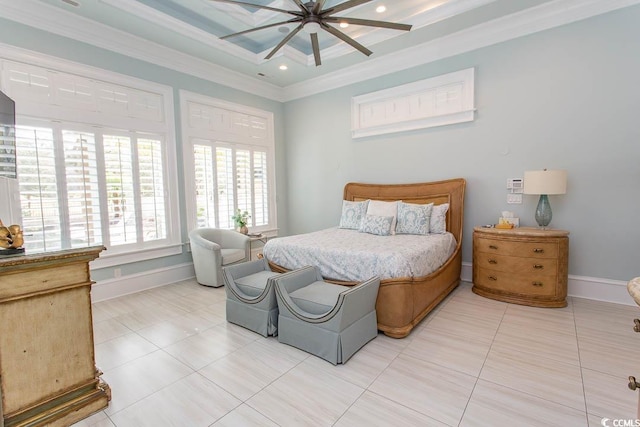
column 47, row 367
column 524, row 265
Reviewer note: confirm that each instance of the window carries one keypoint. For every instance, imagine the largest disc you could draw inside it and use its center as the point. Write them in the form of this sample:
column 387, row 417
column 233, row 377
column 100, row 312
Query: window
column 228, row 163
column 95, row 160
column 227, row 179
column 72, row 199
column 437, row 101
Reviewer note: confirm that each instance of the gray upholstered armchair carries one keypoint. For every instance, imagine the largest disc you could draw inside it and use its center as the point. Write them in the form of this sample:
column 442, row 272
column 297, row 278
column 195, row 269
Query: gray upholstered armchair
column 213, row 248
column 327, row 320
column 251, row 298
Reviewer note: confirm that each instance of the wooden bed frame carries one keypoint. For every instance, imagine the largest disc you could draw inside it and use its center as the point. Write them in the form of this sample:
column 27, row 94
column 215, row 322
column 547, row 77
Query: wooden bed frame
column 403, row 302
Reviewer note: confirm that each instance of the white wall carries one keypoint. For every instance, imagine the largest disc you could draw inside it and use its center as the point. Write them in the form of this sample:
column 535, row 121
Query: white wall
column 567, row 98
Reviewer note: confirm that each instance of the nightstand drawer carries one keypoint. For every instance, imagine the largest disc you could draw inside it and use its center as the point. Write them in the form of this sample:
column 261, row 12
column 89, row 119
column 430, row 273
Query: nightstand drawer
column 517, row 248
column 515, row 264
column 514, row 283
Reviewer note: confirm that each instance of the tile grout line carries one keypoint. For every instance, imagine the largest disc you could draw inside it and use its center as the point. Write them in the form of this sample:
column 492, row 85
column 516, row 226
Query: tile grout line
column 584, row 391
column 466, row 406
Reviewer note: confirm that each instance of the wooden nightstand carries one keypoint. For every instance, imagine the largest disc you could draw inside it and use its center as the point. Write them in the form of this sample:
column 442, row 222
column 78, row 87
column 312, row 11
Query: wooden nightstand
column 525, row 265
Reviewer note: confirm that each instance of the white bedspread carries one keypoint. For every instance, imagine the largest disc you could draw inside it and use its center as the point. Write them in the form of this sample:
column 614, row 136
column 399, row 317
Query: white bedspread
column 350, row 255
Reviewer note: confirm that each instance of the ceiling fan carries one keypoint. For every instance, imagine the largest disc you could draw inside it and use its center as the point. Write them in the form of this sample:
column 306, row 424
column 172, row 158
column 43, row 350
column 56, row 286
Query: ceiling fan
column 312, row 16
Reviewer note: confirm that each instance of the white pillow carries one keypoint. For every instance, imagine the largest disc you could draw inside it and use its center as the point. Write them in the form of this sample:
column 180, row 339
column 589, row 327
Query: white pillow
column 380, row 208
column 352, row 214
column 438, row 222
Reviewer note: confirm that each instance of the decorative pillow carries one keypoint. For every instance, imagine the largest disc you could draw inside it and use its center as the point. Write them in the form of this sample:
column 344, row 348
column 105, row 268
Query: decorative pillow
column 413, row 218
column 380, row 208
column 352, row 214
column 438, row 223
column 374, row 224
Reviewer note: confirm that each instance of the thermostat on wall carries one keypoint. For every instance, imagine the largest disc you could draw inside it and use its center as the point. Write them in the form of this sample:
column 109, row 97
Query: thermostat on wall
column 515, row 185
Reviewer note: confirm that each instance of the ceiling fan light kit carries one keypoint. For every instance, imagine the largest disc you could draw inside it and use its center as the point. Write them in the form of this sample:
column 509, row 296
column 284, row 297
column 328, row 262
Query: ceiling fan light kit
column 311, row 27
column 311, row 18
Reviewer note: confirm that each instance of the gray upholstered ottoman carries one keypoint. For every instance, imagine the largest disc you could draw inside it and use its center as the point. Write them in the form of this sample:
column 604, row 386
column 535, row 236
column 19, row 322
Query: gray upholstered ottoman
column 330, row 321
column 251, row 300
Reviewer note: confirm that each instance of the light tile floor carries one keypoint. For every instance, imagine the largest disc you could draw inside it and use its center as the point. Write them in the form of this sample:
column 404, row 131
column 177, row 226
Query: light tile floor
column 171, row 359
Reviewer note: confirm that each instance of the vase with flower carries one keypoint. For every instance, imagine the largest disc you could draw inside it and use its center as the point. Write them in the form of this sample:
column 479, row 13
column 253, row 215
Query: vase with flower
column 241, row 219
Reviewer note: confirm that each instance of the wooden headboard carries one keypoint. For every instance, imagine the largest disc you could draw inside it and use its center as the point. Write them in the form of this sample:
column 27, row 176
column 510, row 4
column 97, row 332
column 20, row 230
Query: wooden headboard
column 449, row 191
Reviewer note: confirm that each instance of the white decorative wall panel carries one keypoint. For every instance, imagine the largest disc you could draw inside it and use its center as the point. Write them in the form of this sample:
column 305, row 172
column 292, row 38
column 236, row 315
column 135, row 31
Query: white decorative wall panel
column 437, row 101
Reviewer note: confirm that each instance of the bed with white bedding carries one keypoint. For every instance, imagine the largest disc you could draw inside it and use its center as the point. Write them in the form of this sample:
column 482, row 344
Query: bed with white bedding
column 416, row 271
column 351, row 256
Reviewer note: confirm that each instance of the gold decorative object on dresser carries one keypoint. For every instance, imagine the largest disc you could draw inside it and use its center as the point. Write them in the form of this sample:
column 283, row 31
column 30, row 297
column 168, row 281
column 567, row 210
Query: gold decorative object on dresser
column 47, row 364
column 526, row 265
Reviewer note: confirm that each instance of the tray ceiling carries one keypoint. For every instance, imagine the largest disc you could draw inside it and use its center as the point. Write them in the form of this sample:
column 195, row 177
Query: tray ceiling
column 190, row 31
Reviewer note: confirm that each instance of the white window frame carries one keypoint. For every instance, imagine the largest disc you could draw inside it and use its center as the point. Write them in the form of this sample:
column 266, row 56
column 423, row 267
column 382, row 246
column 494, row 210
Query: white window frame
column 229, row 140
column 33, row 110
column 438, row 101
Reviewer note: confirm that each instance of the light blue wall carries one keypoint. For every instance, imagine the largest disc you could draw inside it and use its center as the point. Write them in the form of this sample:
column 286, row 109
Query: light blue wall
column 28, row 38
column 567, row 98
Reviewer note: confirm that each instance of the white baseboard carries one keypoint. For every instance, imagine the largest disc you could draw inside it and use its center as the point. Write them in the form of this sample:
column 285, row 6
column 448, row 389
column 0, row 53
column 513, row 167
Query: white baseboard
column 112, row 288
column 581, row 287
column 466, row 275
column 600, row 289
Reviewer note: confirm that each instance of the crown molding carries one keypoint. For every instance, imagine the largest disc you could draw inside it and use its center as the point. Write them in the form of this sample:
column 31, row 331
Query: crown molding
column 54, row 20
column 152, row 15
column 539, row 18
column 444, row 11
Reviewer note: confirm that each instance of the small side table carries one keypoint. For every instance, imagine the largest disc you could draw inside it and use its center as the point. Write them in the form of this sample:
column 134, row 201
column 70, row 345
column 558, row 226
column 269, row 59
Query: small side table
column 525, row 265
column 257, row 238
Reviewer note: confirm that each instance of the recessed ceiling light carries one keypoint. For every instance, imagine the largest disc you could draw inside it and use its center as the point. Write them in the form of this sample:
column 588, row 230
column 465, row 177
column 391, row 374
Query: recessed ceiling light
column 283, row 67
column 381, row 9
column 344, row 24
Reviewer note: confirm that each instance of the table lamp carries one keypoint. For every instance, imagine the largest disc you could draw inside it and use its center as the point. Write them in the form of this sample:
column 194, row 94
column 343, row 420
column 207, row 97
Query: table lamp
column 545, row 182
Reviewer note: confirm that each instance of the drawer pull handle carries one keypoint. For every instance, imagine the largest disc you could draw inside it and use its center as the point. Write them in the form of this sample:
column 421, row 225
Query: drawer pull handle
column 538, row 266
column 494, row 278
column 493, row 247
column 637, row 325
column 538, row 250
column 538, row 284
column 493, row 261
column 633, row 384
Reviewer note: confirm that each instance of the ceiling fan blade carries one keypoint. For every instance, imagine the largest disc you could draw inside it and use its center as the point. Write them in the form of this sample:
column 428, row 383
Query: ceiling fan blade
column 284, row 41
column 258, row 6
column 317, row 7
column 250, row 30
column 369, row 23
column 345, row 38
column 316, row 48
column 343, row 6
column 302, row 6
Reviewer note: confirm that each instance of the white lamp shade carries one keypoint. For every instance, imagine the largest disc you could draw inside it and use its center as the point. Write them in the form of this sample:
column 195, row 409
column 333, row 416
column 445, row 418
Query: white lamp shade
column 545, row 182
